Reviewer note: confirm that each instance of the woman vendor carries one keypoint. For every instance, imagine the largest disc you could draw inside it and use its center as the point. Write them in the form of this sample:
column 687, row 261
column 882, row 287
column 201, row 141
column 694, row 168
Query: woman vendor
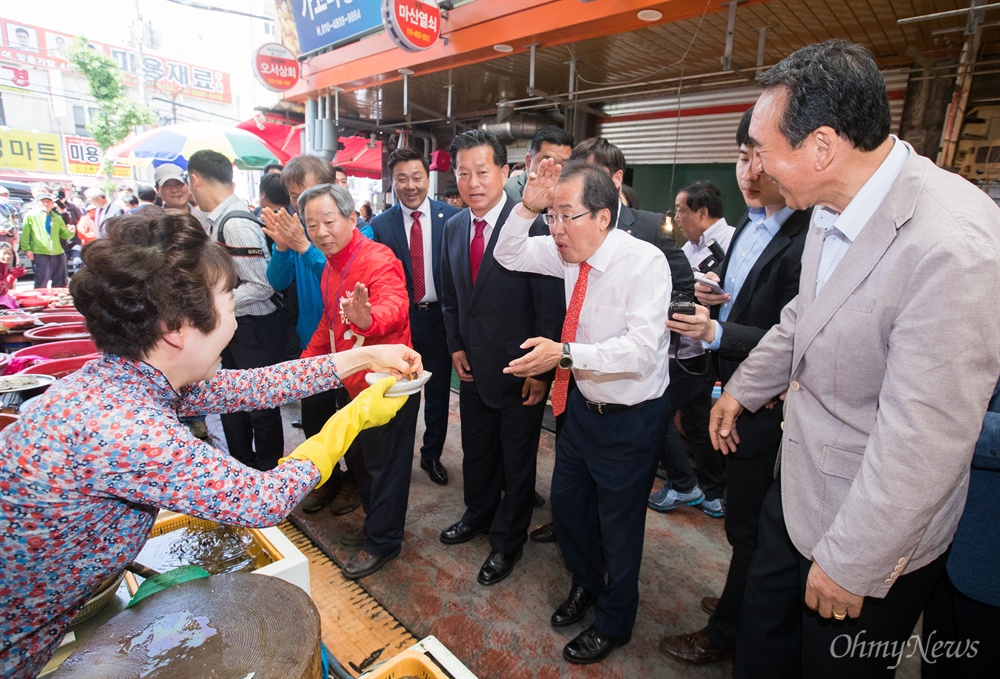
column 85, row 469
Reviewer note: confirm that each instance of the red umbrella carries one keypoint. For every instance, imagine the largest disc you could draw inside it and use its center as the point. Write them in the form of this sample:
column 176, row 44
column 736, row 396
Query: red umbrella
column 280, row 134
column 358, row 158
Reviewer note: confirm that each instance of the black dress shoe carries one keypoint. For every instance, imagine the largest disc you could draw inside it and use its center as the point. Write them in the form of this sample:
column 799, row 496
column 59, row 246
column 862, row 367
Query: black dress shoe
column 574, row 608
column 539, row 500
column 546, row 533
column 592, row 646
column 436, row 471
column 460, row 532
column 364, row 563
column 497, row 567
column 297, row 424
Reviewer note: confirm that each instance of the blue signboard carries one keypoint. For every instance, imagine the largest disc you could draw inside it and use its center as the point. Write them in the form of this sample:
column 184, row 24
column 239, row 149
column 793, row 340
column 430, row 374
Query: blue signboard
column 322, row 24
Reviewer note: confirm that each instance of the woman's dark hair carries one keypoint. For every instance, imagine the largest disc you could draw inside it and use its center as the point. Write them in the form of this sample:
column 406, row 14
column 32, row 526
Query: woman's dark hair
column 152, row 273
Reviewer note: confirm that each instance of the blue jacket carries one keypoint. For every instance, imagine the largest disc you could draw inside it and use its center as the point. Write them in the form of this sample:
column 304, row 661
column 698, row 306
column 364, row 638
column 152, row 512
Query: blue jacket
column 306, row 271
column 975, row 553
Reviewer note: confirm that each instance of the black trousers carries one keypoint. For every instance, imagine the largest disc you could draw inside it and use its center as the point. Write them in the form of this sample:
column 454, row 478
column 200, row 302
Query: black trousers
column 382, row 460
column 429, row 340
column 972, row 628
column 50, row 268
column 692, row 396
column 499, row 452
column 748, row 483
column 256, row 438
column 604, row 467
column 780, row 637
column 319, row 408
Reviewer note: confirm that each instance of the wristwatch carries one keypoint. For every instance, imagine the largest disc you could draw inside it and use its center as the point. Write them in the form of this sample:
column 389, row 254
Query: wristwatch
column 566, row 360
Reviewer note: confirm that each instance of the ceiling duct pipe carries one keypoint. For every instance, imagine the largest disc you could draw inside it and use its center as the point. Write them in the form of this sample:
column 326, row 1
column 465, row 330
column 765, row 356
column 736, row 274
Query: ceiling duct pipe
column 330, row 133
column 514, row 127
column 310, row 127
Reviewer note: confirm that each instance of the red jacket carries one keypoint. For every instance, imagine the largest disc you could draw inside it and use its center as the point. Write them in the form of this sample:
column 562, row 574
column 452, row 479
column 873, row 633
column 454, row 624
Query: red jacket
column 378, row 268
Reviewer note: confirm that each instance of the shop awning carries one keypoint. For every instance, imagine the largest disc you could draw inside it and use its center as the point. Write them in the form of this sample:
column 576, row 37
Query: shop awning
column 358, row 158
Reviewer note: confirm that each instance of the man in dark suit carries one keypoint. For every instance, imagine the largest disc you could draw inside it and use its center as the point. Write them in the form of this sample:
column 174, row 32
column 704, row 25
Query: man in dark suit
column 489, row 312
column 413, row 229
column 760, row 276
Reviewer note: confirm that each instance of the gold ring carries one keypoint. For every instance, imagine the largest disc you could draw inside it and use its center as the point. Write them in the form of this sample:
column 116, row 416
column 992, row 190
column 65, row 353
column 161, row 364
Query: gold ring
column 839, row 616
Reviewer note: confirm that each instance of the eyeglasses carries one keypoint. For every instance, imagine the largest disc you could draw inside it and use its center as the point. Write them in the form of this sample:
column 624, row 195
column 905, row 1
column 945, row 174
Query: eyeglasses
column 563, row 220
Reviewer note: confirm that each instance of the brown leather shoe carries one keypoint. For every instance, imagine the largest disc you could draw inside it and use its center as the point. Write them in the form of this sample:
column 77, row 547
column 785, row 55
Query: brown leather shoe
column 709, row 603
column 347, row 500
column 693, row 649
column 354, row 538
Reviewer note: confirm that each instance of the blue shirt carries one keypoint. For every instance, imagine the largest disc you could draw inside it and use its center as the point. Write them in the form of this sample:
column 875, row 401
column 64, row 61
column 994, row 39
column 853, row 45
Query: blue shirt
column 743, row 254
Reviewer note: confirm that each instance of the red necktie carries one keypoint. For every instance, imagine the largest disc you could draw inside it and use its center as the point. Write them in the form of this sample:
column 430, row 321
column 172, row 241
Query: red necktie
column 561, row 386
column 478, row 246
column 417, row 258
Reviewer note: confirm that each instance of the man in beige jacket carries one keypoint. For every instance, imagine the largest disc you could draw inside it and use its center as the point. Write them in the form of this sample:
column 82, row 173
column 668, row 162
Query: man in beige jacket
column 888, row 354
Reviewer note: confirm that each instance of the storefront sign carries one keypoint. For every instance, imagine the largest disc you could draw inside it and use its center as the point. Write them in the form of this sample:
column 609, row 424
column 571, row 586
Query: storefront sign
column 414, row 25
column 83, row 157
column 26, row 45
column 20, row 150
column 275, row 67
column 307, row 26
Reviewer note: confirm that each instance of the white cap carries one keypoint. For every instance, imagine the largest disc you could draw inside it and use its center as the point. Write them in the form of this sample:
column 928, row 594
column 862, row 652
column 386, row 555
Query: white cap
column 168, row 171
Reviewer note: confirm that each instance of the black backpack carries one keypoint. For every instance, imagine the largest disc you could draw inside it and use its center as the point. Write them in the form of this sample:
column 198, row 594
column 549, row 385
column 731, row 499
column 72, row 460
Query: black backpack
column 276, row 298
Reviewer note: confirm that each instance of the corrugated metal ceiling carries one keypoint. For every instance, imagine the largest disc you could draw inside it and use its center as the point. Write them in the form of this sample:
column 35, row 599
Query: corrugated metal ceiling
column 648, row 62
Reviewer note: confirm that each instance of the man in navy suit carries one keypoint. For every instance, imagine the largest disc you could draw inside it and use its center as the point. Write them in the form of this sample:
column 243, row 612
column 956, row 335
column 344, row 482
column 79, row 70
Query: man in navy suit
column 760, row 275
column 489, row 312
column 413, row 229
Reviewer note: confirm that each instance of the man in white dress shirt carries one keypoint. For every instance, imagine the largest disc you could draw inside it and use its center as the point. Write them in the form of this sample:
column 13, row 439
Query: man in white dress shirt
column 615, row 344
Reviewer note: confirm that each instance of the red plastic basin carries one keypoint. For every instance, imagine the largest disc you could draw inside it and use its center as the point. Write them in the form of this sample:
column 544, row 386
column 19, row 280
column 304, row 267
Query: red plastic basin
column 57, row 333
column 6, row 419
column 59, row 367
column 55, row 350
column 50, row 317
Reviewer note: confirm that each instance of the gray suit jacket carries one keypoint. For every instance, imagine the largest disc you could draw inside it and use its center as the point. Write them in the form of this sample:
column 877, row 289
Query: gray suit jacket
column 889, row 372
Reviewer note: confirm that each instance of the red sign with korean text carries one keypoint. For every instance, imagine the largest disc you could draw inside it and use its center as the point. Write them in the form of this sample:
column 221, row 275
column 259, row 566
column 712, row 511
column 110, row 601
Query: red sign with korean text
column 414, row 25
column 32, row 46
column 276, row 67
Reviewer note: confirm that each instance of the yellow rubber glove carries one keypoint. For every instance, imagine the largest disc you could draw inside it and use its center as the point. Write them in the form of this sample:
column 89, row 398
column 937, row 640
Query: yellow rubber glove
column 371, row 408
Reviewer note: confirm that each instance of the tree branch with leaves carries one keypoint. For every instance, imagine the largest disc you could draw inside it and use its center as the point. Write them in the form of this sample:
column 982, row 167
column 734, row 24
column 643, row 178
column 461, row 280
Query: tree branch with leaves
column 117, row 115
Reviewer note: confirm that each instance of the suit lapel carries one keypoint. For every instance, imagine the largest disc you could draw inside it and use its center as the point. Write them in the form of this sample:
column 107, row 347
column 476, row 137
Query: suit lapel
column 626, row 220
column 399, row 233
column 487, row 265
column 462, row 235
column 740, row 225
column 859, row 261
column 437, row 236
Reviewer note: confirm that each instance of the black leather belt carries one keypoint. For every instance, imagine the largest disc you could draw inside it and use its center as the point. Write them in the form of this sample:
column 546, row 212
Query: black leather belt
column 426, row 306
column 606, row 408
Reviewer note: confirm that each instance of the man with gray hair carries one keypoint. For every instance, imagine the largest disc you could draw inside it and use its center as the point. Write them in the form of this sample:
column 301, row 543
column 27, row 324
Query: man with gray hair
column 888, row 363
column 364, row 302
column 106, row 209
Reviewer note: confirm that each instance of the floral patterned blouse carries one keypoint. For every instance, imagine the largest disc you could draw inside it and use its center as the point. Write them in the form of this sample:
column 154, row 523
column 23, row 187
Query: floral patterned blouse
column 85, row 469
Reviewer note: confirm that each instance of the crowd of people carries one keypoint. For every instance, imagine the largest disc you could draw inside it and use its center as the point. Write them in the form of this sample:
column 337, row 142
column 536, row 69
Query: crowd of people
column 855, row 389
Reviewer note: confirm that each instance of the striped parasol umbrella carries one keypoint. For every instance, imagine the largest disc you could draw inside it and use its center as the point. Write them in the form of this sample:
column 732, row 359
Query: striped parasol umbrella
column 176, row 143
